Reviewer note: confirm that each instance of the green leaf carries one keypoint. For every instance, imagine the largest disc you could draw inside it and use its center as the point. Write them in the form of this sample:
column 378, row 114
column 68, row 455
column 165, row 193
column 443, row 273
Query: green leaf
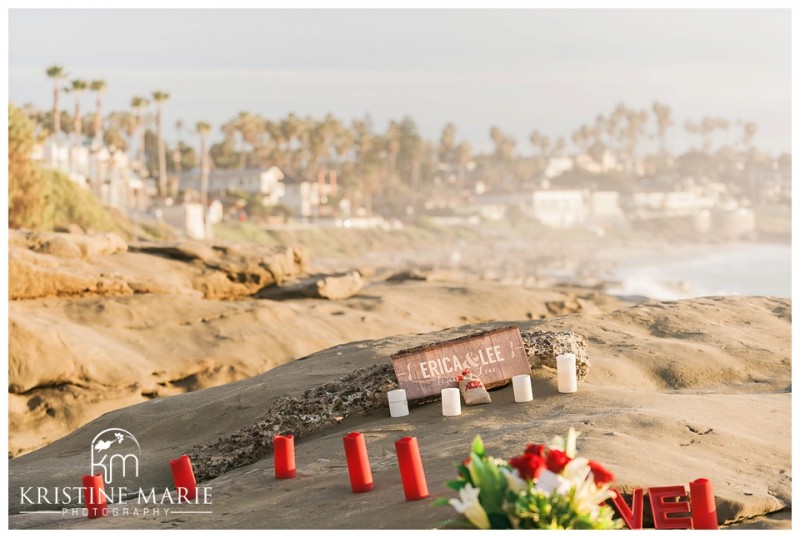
column 465, row 474
column 441, row 501
column 498, row 521
column 456, row 484
column 477, row 446
column 493, row 486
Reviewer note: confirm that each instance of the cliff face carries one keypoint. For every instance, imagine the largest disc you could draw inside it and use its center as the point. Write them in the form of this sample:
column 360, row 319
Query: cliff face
column 677, row 391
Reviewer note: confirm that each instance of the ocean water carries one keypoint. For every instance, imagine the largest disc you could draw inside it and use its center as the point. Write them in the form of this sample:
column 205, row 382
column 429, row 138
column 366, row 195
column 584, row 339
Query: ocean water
column 749, row 269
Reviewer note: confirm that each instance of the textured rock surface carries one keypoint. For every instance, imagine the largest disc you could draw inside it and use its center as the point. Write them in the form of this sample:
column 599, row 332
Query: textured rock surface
column 355, row 394
column 43, row 264
column 32, row 275
column 337, row 287
column 544, row 347
column 66, row 245
column 229, row 272
column 411, row 274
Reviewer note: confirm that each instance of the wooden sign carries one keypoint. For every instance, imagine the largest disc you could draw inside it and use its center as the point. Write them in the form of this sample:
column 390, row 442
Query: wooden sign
column 494, row 356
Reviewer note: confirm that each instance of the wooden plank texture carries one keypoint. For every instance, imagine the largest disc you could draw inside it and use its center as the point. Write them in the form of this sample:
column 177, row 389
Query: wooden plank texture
column 495, row 356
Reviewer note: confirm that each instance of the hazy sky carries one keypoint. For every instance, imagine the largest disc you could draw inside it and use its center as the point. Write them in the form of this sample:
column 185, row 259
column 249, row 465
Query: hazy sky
column 545, row 69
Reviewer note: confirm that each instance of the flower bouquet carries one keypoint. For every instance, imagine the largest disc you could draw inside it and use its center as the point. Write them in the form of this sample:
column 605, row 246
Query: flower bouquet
column 546, row 487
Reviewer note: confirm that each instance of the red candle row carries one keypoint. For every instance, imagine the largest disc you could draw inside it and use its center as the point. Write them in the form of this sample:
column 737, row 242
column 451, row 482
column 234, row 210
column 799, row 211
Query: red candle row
column 412, row 473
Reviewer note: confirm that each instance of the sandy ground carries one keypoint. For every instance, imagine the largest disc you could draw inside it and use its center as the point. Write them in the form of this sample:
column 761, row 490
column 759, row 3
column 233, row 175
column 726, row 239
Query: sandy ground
column 678, row 390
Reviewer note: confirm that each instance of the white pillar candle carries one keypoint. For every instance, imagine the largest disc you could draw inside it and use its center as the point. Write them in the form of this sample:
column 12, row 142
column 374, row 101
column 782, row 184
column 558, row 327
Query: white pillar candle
column 523, row 391
column 451, row 402
column 567, row 375
column 398, row 403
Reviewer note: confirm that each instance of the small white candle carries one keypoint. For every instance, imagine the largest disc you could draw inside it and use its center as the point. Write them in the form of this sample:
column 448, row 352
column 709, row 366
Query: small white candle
column 523, row 391
column 451, row 402
column 398, row 403
column 567, row 375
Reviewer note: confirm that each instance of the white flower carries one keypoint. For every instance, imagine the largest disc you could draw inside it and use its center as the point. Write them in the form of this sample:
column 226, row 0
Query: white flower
column 576, row 471
column 515, row 483
column 569, row 445
column 497, row 461
column 471, row 507
column 550, row 483
column 587, row 495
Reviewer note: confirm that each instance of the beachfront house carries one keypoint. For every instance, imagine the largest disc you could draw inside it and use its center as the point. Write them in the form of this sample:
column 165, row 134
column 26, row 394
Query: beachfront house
column 306, row 198
column 255, row 181
column 559, row 209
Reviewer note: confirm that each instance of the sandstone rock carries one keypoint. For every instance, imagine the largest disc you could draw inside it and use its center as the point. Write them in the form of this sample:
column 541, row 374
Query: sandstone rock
column 185, row 251
column 32, row 275
column 543, row 348
column 67, row 245
column 70, row 229
column 230, row 272
column 337, row 287
column 412, row 274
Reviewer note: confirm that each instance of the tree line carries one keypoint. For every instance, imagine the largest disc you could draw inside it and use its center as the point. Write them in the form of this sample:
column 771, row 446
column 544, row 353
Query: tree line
column 392, row 162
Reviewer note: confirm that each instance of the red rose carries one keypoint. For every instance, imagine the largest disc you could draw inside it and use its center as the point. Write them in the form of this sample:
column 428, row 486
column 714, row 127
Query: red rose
column 528, row 465
column 557, row 460
column 601, row 474
column 537, row 450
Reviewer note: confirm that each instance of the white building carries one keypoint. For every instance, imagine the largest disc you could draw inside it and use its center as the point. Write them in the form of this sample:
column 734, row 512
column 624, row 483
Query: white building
column 267, row 183
column 557, row 166
column 607, row 163
column 187, row 218
column 670, row 204
column 307, row 198
column 605, row 205
column 558, row 209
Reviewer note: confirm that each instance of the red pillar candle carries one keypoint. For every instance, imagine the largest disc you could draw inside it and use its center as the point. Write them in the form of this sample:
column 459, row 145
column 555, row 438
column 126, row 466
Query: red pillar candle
column 411, row 472
column 704, row 507
column 183, row 476
column 284, row 457
column 94, row 496
column 355, row 450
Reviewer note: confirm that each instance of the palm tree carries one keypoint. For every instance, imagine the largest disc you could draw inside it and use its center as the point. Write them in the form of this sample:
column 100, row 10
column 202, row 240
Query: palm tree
column 463, row 154
column 76, row 89
column 176, row 155
column 138, row 104
column 749, row 130
column 124, row 122
column 663, row 114
column 161, row 97
column 344, row 143
column 540, row 141
column 56, row 72
column 203, row 129
column 447, row 143
column 98, row 87
column 393, row 135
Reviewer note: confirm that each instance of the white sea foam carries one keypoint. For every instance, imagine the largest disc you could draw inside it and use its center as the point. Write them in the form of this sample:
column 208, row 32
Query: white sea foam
column 757, row 269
